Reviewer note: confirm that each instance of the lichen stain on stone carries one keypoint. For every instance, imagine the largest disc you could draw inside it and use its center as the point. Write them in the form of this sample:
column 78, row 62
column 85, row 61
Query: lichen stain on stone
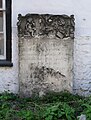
column 43, row 71
column 39, row 48
column 42, row 80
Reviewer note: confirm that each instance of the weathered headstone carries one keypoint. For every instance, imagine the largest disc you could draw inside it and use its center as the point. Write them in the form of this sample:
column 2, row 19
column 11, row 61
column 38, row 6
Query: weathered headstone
column 45, row 53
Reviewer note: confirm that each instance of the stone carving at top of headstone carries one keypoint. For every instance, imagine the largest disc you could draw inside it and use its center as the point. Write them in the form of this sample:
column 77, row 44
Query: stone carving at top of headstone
column 35, row 25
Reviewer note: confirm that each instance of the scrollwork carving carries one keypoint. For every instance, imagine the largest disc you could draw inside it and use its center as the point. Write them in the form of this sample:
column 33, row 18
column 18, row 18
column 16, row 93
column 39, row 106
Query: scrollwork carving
column 60, row 26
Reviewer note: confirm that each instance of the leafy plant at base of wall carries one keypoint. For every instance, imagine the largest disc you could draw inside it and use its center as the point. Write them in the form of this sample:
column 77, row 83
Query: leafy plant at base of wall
column 87, row 110
column 8, row 96
column 52, row 106
column 65, row 96
column 59, row 111
column 26, row 115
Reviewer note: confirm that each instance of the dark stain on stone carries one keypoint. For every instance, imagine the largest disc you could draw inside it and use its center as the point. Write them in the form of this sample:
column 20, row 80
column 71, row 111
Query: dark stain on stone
column 39, row 48
column 38, row 80
column 40, row 73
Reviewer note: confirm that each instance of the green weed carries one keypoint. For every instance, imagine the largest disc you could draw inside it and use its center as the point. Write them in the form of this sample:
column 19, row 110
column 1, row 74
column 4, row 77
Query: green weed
column 52, row 106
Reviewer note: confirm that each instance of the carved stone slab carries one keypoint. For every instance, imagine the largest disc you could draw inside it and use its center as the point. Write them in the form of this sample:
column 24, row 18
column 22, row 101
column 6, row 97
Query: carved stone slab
column 45, row 53
column 34, row 25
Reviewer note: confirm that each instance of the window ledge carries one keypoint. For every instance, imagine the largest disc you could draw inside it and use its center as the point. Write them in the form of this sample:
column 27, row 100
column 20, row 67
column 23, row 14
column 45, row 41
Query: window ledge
column 4, row 63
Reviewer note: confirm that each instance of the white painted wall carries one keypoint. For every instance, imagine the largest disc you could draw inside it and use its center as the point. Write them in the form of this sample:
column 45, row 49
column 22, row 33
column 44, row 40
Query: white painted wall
column 82, row 45
column 9, row 75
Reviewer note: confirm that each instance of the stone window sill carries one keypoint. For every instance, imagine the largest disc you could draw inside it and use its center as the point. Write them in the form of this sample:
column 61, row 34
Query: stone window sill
column 4, row 63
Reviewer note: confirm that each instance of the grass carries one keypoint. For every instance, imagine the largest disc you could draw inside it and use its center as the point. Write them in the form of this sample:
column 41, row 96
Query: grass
column 52, row 106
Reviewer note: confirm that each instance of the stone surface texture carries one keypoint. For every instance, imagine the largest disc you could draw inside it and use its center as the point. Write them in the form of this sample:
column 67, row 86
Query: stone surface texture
column 45, row 53
column 82, row 117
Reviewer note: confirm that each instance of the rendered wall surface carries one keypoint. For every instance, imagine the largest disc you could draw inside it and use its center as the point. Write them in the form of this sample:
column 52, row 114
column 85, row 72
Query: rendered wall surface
column 9, row 81
column 45, row 53
column 82, row 66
